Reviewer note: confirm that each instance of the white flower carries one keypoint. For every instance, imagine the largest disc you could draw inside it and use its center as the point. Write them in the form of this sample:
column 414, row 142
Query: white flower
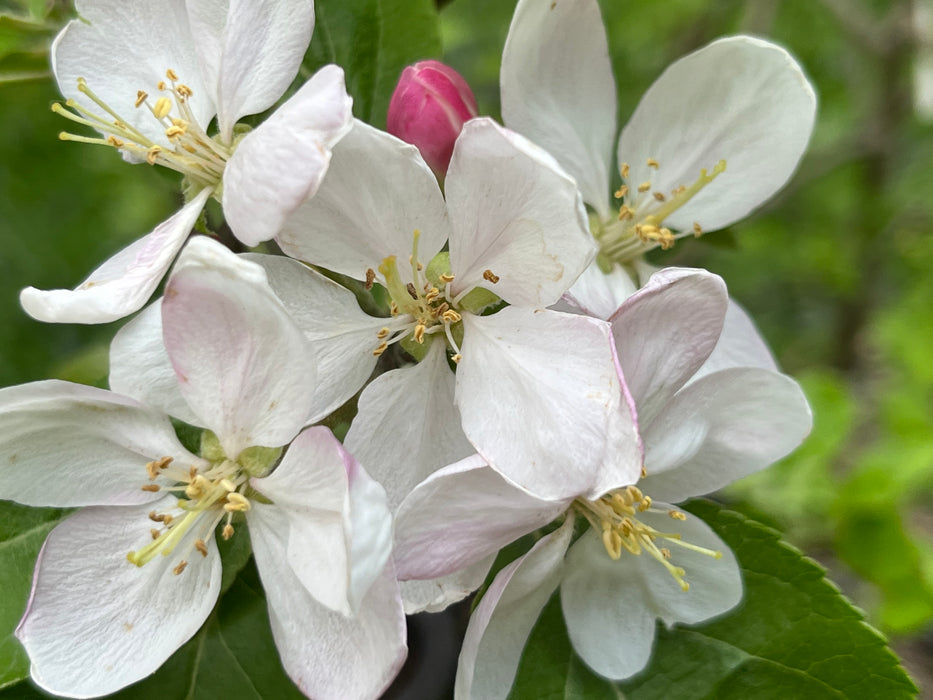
column 716, row 135
column 517, row 234
column 700, row 432
column 120, row 585
column 150, row 77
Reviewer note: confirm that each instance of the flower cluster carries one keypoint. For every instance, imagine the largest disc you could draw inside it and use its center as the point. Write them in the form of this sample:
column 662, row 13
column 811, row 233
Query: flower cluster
column 514, row 364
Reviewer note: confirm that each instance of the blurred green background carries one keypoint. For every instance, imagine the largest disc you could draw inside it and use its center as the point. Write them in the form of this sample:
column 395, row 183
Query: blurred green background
column 836, row 269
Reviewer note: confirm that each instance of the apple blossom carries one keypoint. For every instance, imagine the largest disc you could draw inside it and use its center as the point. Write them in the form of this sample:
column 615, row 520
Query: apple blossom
column 428, row 108
column 517, row 234
column 120, row 585
column 716, row 135
column 641, row 559
column 150, row 77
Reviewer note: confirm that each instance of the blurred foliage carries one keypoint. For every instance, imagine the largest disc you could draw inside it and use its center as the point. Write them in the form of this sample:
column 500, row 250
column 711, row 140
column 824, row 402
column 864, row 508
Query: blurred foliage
column 836, row 269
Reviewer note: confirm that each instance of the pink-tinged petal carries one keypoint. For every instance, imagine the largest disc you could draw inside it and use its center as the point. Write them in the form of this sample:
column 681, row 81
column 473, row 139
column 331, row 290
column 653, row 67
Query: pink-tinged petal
column 558, row 89
column 610, row 606
column 283, row 161
column 122, row 284
column 740, row 345
column 665, row 332
column 556, row 434
column 461, row 515
column 243, row 366
column 407, row 426
column 515, row 212
column 720, row 428
column 739, row 99
column 250, row 51
column 67, row 445
column 140, row 366
column 600, row 294
column 120, row 48
column 339, row 527
column 377, row 192
column 95, row 622
column 436, row 594
column 342, row 335
column 501, row 623
column 327, row 654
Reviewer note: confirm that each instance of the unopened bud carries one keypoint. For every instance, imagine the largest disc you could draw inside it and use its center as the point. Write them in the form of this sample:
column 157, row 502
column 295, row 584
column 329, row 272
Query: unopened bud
column 428, row 108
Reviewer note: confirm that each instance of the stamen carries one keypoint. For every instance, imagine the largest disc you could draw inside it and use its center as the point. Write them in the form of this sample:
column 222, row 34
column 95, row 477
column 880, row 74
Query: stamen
column 181, row 567
column 162, row 107
column 621, row 192
column 652, row 163
column 645, row 186
column 624, row 170
column 490, row 276
column 201, row 546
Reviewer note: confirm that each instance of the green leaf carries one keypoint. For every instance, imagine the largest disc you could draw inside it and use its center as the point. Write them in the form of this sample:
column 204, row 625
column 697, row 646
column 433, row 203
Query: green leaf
column 22, row 532
column 373, row 40
column 794, row 635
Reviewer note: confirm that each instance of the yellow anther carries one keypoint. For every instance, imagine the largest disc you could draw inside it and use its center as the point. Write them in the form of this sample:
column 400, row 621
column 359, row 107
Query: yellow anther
column 151, row 487
column 383, row 333
column 634, row 493
column 393, row 308
column 652, row 163
column 370, row 278
column 227, row 532
column 140, row 98
column 115, row 142
column 152, row 155
column 613, row 544
column 236, row 502
column 660, row 196
column 644, row 471
column 451, row 316
column 184, row 91
column 161, row 85
column 155, row 533
column 167, row 519
column 645, row 504
column 490, row 276
column 181, row 567
column 418, row 334
column 432, row 294
column 677, row 515
column 446, row 278
column 201, row 546
column 665, row 552
column 697, row 229
column 381, row 349
column 456, row 358
column 623, row 170
column 678, row 190
column 162, row 107
column 171, row 75
column 626, row 212
column 645, row 186
column 621, row 192
column 174, row 132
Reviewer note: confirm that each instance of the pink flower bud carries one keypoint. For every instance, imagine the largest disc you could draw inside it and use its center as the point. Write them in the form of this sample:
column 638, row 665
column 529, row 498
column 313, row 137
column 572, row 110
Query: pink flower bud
column 428, row 108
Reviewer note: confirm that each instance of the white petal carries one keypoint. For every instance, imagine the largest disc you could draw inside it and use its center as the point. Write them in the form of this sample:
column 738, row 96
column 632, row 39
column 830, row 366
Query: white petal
column 665, row 332
column 461, row 515
column 407, row 426
column 720, row 428
column 501, row 623
column 140, row 366
column 740, row 345
column 515, row 212
column 327, row 654
column 436, row 594
column 740, row 99
column 610, row 606
column 95, row 622
column 243, row 366
column 65, row 445
column 342, row 335
column 250, row 51
column 282, row 162
column 121, row 48
column 598, row 294
column 558, row 89
column 122, row 284
column 377, row 192
column 555, row 433
column 310, row 488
